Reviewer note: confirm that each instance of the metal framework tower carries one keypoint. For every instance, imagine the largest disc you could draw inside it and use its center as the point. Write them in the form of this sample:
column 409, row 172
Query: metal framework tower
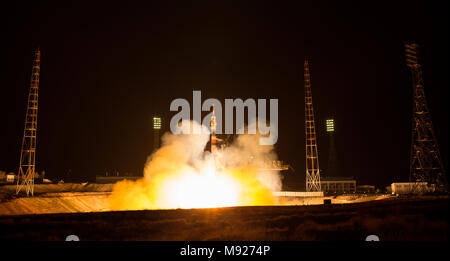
column 312, row 155
column 27, row 164
column 425, row 164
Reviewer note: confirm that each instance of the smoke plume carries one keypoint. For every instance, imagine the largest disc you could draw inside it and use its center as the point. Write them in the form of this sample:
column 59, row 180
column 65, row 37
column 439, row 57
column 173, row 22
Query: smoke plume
column 181, row 174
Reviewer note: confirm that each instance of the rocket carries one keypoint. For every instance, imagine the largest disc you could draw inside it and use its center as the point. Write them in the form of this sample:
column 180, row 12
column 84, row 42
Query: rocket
column 213, row 132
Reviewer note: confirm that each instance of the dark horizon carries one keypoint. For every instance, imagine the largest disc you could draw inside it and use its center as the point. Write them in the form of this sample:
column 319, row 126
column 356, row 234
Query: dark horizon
column 107, row 70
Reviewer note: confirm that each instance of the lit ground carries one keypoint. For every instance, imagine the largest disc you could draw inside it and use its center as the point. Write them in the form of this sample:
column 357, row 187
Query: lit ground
column 73, row 198
column 55, row 198
column 420, row 218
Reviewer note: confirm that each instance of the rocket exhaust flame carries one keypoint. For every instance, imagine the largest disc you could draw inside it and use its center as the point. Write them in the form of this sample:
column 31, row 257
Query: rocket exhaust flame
column 182, row 175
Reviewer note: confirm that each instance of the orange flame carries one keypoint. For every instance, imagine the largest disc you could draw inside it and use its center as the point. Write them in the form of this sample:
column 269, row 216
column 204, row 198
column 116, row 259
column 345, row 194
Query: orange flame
column 190, row 189
column 180, row 175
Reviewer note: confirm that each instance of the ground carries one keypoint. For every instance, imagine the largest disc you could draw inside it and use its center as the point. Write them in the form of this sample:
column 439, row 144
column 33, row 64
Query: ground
column 411, row 219
column 55, row 198
column 75, row 198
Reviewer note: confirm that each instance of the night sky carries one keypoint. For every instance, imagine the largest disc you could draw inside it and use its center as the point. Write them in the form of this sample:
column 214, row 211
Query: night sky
column 107, row 68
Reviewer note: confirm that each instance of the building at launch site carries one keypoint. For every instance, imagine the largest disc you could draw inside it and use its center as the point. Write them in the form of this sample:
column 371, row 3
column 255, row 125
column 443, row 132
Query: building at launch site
column 406, row 188
column 338, row 185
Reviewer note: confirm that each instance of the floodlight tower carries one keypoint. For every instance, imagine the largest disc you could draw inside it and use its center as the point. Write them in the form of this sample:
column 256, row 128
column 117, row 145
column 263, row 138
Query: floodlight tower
column 425, row 164
column 27, row 164
column 156, row 128
column 332, row 161
column 312, row 154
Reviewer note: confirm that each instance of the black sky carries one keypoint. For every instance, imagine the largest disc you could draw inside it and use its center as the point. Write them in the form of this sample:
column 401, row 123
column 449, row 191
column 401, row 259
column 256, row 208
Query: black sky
column 107, row 68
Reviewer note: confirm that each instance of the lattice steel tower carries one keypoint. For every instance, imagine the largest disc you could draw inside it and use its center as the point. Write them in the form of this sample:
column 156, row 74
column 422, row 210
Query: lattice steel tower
column 425, row 164
column 27, row 165
column 312, row 155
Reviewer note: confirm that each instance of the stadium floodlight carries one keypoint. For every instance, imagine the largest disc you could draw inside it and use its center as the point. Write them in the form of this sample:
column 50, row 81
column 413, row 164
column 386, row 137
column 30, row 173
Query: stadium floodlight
column 156, row 123
column 330, row 125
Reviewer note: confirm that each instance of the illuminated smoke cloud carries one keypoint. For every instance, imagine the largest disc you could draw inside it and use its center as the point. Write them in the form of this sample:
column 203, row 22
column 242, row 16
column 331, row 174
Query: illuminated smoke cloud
column 182, row 175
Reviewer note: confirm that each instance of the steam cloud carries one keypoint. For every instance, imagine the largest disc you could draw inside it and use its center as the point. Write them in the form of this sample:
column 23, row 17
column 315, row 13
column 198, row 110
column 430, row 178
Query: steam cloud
column 181, row 174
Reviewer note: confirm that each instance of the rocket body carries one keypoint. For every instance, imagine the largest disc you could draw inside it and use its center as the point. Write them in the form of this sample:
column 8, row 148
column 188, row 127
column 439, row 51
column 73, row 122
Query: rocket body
column 213, row 132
